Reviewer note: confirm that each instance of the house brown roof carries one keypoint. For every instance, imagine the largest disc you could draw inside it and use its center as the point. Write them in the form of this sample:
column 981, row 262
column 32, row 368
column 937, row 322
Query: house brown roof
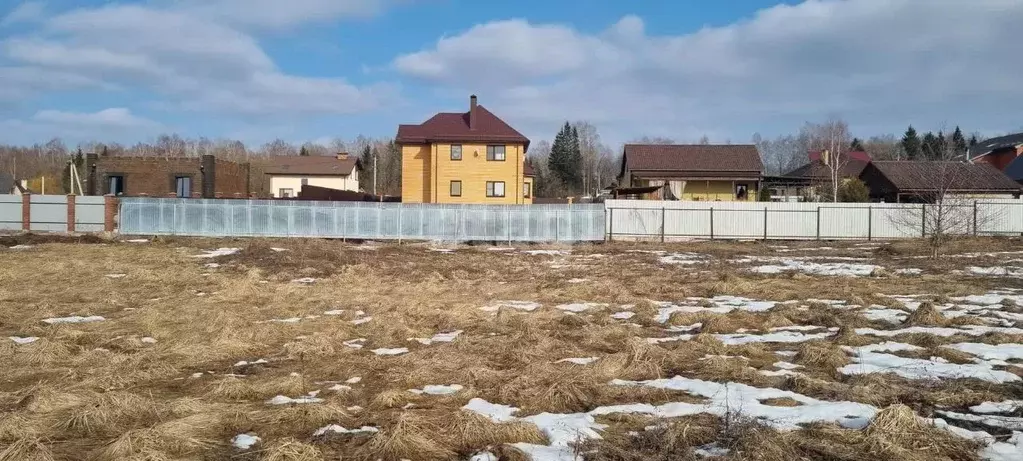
column 924, row 175
column 454, row 127
column 694, row 159
column 818, row 170
column 527, row 169
column 312, row 165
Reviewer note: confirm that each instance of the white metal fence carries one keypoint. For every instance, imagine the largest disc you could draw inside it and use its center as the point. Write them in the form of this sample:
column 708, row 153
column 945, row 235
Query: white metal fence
column 361, row 220
column 49, row 213
column 667, row 220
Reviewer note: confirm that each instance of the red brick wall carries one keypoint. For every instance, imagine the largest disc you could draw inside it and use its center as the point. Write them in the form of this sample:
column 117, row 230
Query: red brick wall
column 1000, row 160
column 231, row 178
column 154, row 176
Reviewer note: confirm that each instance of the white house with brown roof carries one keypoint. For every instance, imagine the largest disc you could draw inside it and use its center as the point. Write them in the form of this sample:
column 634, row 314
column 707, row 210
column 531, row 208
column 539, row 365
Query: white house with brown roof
column 287, row 174
column 694, row 172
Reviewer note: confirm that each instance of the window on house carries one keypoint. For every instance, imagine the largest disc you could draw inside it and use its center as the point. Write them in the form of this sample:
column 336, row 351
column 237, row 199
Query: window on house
column 526, row 190
column 495, row 188
column 286, row 193
column 456, row 188
column 456, row 152
column 305, row 181
column 495, row 153
column 115, row 185
column 183, row 186
column 741, row 192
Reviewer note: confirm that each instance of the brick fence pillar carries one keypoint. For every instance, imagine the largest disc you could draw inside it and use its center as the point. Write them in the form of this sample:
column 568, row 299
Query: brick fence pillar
column 26, row 212
column 109, row 212
column 71, row 213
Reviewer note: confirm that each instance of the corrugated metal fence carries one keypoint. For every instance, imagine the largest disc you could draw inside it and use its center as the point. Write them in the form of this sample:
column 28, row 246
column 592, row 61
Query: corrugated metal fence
column 359, row 220
column 663, row 220
column 49, row 213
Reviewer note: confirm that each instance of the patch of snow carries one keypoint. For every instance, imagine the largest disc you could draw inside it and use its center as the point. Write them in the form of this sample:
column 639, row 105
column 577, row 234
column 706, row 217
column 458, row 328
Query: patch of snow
column 786, row 353
column 243, row 363
column 580, row 307
column 438, row 338
column 496, row 412
column 334, row 312
column 887, row 346
column 528, row 306
column 284, row 400
column 304, row 280
column 909, row 271
column 287, row 320
column 148, row 340
column 813, row 268
column 354, row 343
column 579, row 360
column 501, row 249
column 336, row 429
column 684, row 259
column 549, row 252
column 866, row 362
column 390, row 351
column 137, row 241
column 354, row 408
column 1010, row 450
column 711, row 449
column 73, row 319
column 361, row 321
column 578, row 280
column 217, row 253
column 211, row 265
column 443, row 250
column 893, row 316
column 21, row 247
column 339, row 388
column 787, row 365
column 719, row 305
column 724, row 397
column 1004, row 422
column 624, row 315
column 354, row 380
column 998, row 271
column 438, row 389
column 278, row 250
column 483, row 456
column 1007, row 406
column 798, row 328
column 669, row 339
column 1007, row 351
column 21, row 340
column 197, row 375
column 970, row 330
column 245, row 441
column 116, row 276
column 779, row 337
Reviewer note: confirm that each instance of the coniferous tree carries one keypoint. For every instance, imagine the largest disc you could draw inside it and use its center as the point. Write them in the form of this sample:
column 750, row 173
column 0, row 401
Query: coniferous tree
column 929, row 146
column 959, row 143
column 973, row 140
column 911, row 145
column 575, row 163
column 856, row 145
column 562, row 162
column 303, row 152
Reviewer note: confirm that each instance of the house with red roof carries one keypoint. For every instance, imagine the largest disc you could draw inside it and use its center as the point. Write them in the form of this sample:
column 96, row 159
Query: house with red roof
column 464, row 157
column 730, row 172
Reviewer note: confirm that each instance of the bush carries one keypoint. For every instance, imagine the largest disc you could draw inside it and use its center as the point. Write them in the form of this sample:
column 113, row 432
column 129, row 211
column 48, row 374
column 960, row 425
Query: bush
column 764, row 195
column 853, row 190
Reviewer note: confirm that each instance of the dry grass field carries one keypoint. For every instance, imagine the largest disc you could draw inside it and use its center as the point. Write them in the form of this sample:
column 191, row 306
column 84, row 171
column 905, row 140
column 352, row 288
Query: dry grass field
column 308, row 349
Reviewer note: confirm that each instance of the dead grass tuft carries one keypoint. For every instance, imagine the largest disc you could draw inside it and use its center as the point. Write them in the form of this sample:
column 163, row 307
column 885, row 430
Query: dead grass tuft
column 469, row 431
column 669, row 441
column 926, row 315
column 821, row 355
column 167, row 440
column 409, row 438
column 26, row 449
column 289, row 449
column 897, row 432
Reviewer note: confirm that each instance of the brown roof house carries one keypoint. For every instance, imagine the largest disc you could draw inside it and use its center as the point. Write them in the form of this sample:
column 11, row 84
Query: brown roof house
column 694, row 172
column 464, row 157
column 287, row 174
column 927, row 181
column 205, row 176
column 805, row 183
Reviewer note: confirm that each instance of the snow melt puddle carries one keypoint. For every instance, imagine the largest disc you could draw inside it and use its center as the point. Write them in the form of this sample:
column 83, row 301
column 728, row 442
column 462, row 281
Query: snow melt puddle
column 245, row 441
column 718, row 305
column 390, row 351
column 21, row 340
column 438, row 389
column 285, row 400
column 73, row 319
column 579, row 360
column 580, row 307
column 528, row 306
column 812, row 268
column 438, row 338
column 217, row 253
column 336, row 429
column 869, row 359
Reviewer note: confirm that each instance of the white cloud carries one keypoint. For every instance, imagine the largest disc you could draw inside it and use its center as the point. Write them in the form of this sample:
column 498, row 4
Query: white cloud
column 25, row 12
column 186, row 60
column 112, row 118
column 881, row 64
column 277, row 14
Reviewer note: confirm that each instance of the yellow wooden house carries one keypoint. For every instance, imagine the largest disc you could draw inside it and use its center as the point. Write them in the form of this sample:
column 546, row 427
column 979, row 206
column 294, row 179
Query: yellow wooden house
column 468, row 157
column 726, row 173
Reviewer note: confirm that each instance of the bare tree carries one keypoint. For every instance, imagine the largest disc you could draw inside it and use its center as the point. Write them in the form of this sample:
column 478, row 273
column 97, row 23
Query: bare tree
column 832, row 139
column 884, row 147
column 782, row 154
column 704, row 140
column 278, row 147
column 652, row 140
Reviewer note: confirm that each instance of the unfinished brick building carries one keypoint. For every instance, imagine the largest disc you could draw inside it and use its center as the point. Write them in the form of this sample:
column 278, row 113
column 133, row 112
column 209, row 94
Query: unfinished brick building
column 205, row 177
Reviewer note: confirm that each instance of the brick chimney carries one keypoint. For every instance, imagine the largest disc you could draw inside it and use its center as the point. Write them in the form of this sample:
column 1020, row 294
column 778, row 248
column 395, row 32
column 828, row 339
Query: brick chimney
column 472, row 112
column 342, row 155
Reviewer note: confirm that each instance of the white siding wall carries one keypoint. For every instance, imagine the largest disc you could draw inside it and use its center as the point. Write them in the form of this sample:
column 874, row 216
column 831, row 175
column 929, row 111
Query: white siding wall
column 348, row 182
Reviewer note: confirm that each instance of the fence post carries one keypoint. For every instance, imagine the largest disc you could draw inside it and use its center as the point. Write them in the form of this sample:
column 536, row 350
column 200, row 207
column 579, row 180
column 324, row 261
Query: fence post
column 71, row 213
column 26, row 211
column 399, row 225
column 507, row 223
column 923, row 220
column 765, row 223
column 611, row 224
column 712, row 223
column 974, row 218
column 664, row 211
column 870, row 222
column 818, row 223
column 571, row 219
column 109, row 212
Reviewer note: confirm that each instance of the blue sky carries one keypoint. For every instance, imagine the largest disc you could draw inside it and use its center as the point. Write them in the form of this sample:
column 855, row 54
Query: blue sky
column 306, row 70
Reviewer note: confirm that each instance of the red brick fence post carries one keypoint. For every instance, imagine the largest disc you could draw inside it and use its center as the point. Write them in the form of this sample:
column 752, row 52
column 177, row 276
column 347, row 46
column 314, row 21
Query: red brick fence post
column 110, row 203
column 26, row 212
column 71, row 213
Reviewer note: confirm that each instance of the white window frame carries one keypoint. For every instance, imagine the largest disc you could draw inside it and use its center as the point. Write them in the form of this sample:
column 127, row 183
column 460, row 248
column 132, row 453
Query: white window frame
column 492, row 153
column 455, row 147
column 495, row 189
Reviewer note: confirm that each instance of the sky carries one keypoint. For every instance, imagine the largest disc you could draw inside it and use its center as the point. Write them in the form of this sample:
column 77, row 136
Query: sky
column 312, row 70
